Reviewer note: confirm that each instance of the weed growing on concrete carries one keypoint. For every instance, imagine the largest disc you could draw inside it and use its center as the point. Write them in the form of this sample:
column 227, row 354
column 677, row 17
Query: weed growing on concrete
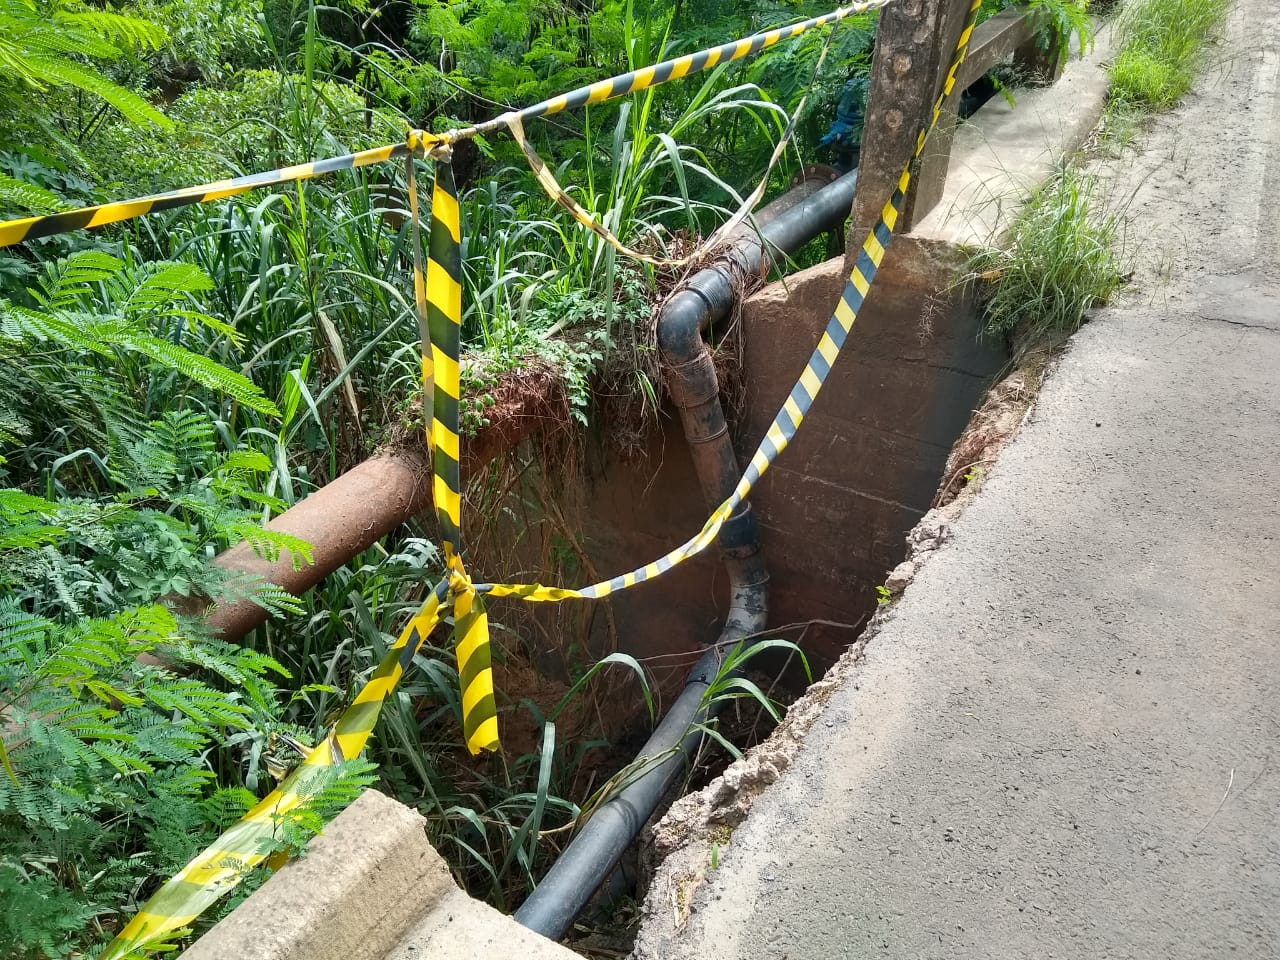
column 1058, row 260
column 1163, row 45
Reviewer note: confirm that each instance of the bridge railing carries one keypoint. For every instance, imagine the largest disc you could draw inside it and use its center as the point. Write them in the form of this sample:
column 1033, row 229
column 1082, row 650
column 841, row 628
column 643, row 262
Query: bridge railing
column 913, row 43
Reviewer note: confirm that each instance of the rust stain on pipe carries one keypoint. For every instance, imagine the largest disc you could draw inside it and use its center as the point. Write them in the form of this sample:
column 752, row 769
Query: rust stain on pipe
column 339, row 520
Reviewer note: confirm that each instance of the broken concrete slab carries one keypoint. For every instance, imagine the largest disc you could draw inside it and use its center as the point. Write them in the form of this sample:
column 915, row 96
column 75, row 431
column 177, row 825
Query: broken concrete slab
column 459, row 927
column 357, row 889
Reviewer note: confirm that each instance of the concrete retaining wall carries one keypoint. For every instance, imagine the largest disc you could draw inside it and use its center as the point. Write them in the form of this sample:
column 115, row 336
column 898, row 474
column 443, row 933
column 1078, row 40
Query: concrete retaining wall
column 836, row 507
column 866, row 463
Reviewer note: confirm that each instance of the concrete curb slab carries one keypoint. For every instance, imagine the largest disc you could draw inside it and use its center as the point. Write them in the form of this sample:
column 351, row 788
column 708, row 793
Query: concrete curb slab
column 371, row 886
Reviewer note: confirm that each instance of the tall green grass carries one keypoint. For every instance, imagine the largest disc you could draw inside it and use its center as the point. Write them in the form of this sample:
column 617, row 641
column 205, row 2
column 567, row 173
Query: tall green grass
column 1058, row 260
column 1163, row 47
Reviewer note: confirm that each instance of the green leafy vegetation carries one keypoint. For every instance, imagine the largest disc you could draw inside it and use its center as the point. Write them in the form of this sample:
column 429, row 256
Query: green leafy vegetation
column 1065, row 21
column 1061, row 256
column 1163, row 47
column 1057, row 260
column 45, row 46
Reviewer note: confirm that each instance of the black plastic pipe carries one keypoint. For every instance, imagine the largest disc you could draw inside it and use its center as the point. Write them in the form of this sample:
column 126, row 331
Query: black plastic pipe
column 551, row 909
column 783, row 227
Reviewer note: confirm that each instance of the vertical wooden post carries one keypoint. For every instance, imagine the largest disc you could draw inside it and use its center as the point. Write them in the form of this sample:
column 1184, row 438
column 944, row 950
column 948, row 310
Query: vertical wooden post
column 914, row 43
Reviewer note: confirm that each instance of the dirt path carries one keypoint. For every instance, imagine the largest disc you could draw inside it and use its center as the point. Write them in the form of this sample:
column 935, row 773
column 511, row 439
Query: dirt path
column 1202, row 189
column 1065, row 742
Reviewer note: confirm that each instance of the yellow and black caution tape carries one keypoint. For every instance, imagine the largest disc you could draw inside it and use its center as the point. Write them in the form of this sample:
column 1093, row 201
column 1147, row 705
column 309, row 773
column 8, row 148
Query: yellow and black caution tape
column 438, row 297
column 218, row 869
column 31, row 228
column 444, row 311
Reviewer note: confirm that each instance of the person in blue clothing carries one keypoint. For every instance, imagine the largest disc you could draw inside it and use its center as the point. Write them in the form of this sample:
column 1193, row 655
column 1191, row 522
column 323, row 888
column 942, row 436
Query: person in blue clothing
column 845, row 134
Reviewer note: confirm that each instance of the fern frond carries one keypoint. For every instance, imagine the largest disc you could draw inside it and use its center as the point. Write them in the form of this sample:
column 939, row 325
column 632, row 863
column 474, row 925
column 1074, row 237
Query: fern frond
column 118, row 28
column 68, row 749
column 193, row 699
column 202, row 370
column 148, row 627
column 234, row 486
column 240, row 666
column 29, row 198
column 184, row 782
column 161, row 737
column 253, row 461
column 187, row 434
column 125, row 760
column 269, row 544
column 159, row 285
column 143, row 467
column 267, row 595
column 99, row 648
column 208, row 322
column 224, row 807
column 23, row 637
column 60, row 71
column 68, row 280
column 16, row 503
column 23, row 521
column 44, row 40
column 69, row 330
column 28, row 536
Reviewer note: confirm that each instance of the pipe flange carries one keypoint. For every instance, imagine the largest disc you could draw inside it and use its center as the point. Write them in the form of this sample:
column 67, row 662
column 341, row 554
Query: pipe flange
column 693, row 382
column 739, row 535
column 823, row 173
column 708, row 438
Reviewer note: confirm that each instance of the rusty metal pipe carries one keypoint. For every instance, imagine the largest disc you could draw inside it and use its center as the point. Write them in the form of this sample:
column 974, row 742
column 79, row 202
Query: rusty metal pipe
column 339, row 520
column 354, row 511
